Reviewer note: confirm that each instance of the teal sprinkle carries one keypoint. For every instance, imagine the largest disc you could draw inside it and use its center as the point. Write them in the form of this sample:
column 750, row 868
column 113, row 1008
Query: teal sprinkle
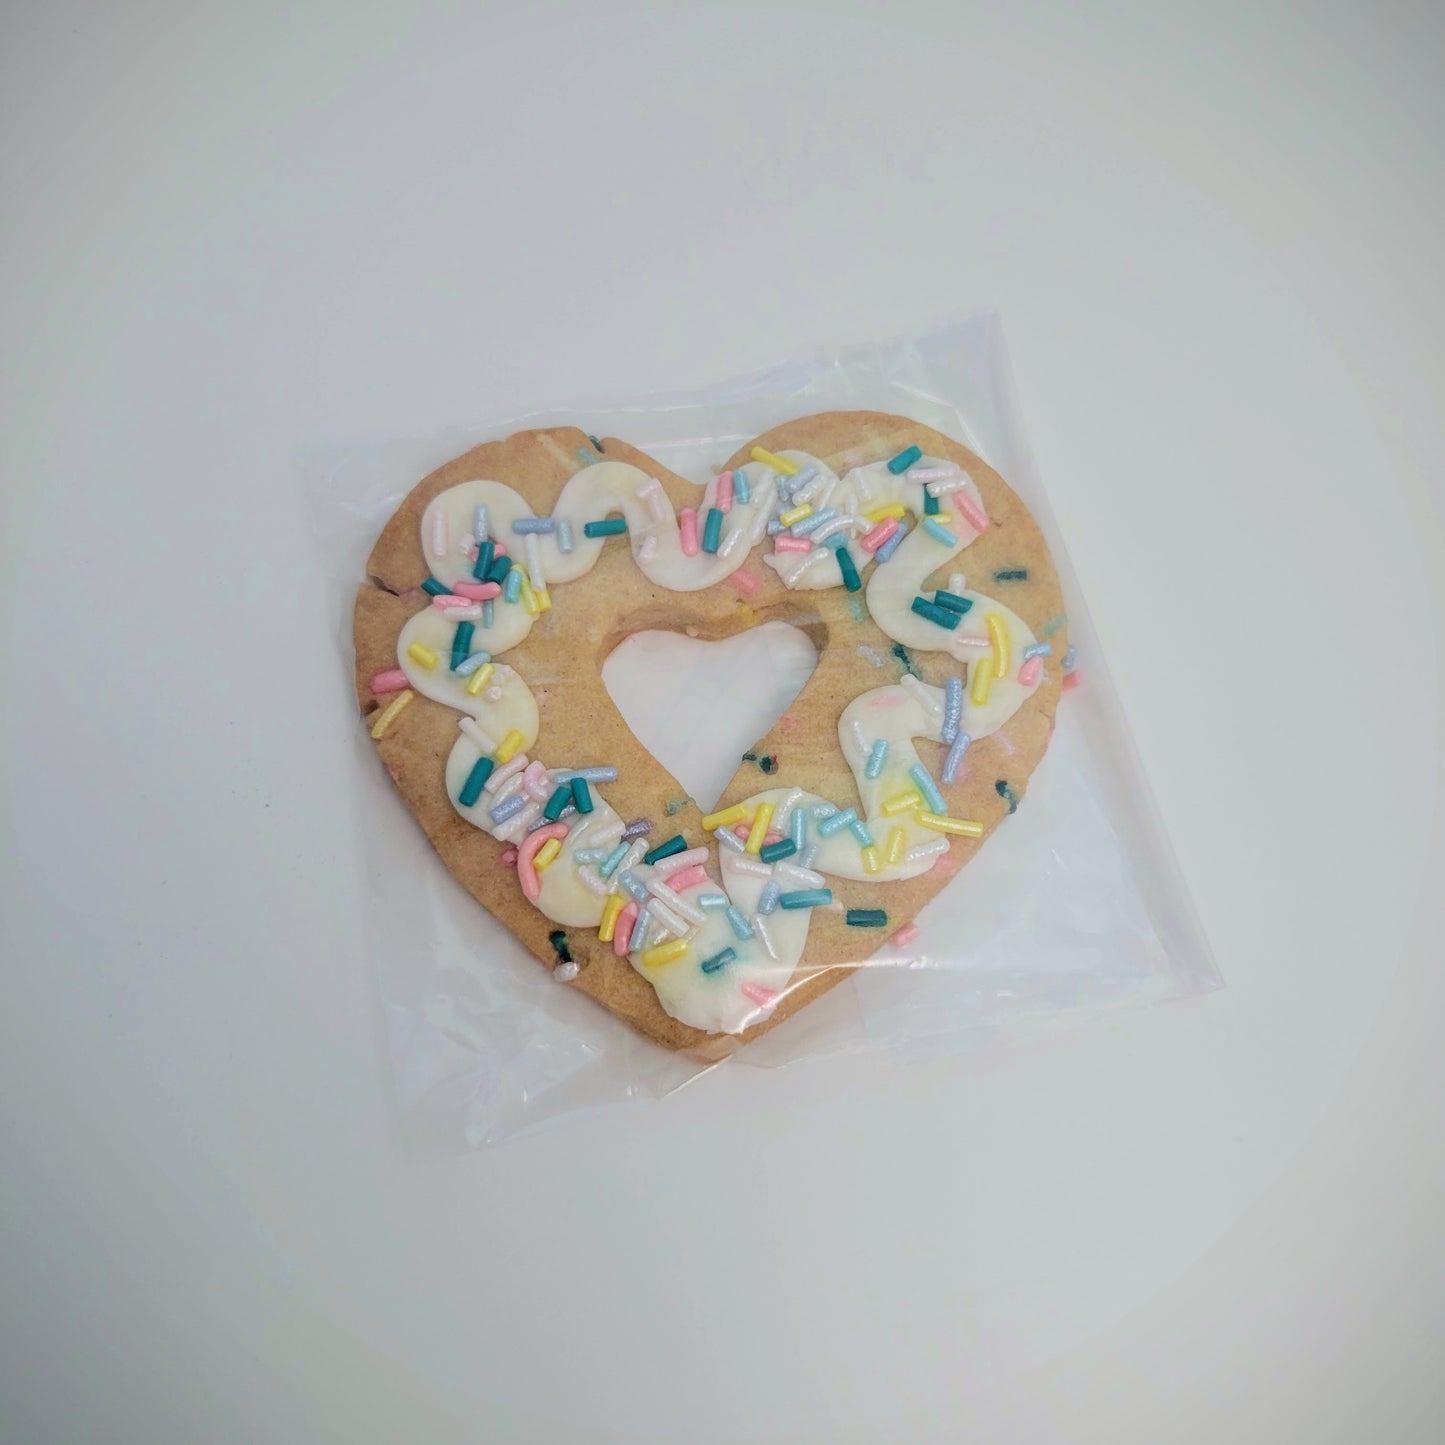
column 952, row 601
column 594, row 441
column 676, row 806
column 931, row 505
column 719, row 960
column 938, row 531
column 433, row 588
column 512, row 589
column 750, row 757
column 942, row 616
column 581, row 795
column 462, row 643
column 712, row 530
column 858, row 610
column 485, row 552
column 904, row 460
column 558, row 940
column 807, row 898
column 1007, row 794
column 1011, row 574
column 500, row 569
column 1053, row 624
column 901, row 653
column 609, row 527
column 476, row 780
column 772, row 852
column 586, row 457
column 768, row 763
column 851, row 579
column 867, row 918
column 557, row 802
column 676, row 844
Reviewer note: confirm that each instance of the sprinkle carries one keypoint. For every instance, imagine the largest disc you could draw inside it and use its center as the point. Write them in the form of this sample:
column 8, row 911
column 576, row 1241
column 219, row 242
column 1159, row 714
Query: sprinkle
column 886, row 551
column 536, row 577
column 558, row 940
column 941, row 824
column 934, row 848
column 422, row 656
column 632, row 885
column 1053, row 625
column 482, row 565
column 488, row 615
column 615, row 857
column 783, row 848
column 725, row 492
column 637, row 828
column 756, row 993
column 472, row 788
column 462, row 643
column 822, row 810
column 778, row 464
column 973, row 514
column 856, row 609
column 901, row 803
column 859, row 829
column 546, row 853
column 433, row 588
column 479, row 523
column 768, row 898
column 952, row 708
column 622, row 929
column 726, row 818
column 581, row 795
column 1038, row 649
column 812, row 523
column 901, row 653
column 872, row 655
column 392, row 680
column 647, row 549
column 742, row 579
column 896, row 839
column 806, row 857
column 1007, row 793
column 982, row 682
column 730, row 840
column 686, row 878
column 807, row 898
column 851, row 580
column 931, row 504
column 589, row 855
column 677, row 862
column 509, row 745
column 932, row 613
column 507, row 771
column 527, row 526
column 871, row 541
column 927, row 787
column 450, row 602
column 740, row 926
column 711, row 901
column 670, row 899
column 1029, row 672
column 531, row 598
column 585, row 457
column 687, row 527
column 390, row 712
column 952, row 601
column 479, row 678
column 718, row 960
column 795, row 514
column 774, row 527
column 867, row 918
column 955, row 757
column 797, row 829
column 999, row 641
column 904, row 460
column 607, row 834
column 837, row 822
column 892, row 512
column 712, row 530
column 651, row 493
column 906, row 935
column 676, row 844
column 792, row 544
column 751, row 867
column 592, row 775
column 527, row 851
column 1071, row 680
column 1011, row 574
column 938, row 532
column 872, row 862
column 1070, row 658
column 664, row 953
column 509, row 809
column 478, row 591
column 759, row 830
column 513, row 588
column 610, row 527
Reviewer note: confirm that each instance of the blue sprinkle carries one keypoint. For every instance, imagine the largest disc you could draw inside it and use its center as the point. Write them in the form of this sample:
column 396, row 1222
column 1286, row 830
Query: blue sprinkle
column 740, row 926
column 1038, row 649
column 776, row 528
column 631, row 886
column 509, row 809
column 512, row 588
column 859, row 830
column 565, row 540
column 938, row 532
column 1053, row 624
column 891, row 545
column 489, row 613
column 904, row 460
column 470, row 664
column 876, row 758
column 590, row 855
column 952, row 708
column 955, row 757
column 804, row 525
column 838, row 821
column 532, row 526
column 590, row 775
column 928, row 788
column 742, row 489
column 798, row 827
column 479, row 523
column 640, row 925
column 729, row 839
column 1071, row 658
column 613, row 859
column 637, row 828
column 718, row 960
column 586, row 457
column 801, row 479
column 822, row 810
column 837, row 541
column 711, row 900
column 807, row 898
column 768, row 898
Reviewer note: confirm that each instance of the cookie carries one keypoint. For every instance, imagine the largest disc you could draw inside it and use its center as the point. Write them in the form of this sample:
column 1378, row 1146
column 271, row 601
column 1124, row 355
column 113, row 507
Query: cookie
column 507, row 576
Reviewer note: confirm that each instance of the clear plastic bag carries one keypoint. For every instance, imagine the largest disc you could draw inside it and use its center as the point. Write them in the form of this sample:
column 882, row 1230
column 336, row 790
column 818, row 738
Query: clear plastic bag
column 1075, row 905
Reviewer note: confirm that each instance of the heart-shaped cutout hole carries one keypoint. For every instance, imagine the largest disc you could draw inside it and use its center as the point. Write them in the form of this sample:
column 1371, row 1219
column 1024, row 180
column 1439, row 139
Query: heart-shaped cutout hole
column 697, row 706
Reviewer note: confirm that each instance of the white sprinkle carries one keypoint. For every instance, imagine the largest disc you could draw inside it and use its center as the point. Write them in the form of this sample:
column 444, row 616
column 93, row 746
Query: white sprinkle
column 592, row 880
column 532, row 546
column 659, row 889
column 479, row 735
column 647, row 549
column 926, row 697
column 957, row 583
column 438, row 531
column 666, row 867
column 764, row 932
column 798, row 877
column 926, row 850
column 565, row 972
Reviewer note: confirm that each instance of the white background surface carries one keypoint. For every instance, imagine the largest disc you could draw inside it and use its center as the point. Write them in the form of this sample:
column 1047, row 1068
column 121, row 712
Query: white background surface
column 235, row 234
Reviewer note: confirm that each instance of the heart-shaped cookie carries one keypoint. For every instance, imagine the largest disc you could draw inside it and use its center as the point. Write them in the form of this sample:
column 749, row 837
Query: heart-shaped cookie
column 506, row 578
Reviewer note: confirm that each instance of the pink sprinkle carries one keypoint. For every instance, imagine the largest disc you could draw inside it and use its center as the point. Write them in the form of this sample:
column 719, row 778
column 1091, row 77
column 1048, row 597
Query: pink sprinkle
column 725, row 492
column 785, row 543
column 499, row 550
column 459, row 609
column 773, row 836
column 1071, row 681
column 447, row 599
column 906, row 935
column 531, row 884
column 687, row 878
column 537, row 782
column 745, row 582
column 508, row 858
column 871, row 541
column 622, row 930
column 687, row 525
column 885, row 699
column 1029, row 672
column 392, row 680
column 477, row 591
column 975, row 515
column 742, row 830
column 945, row 865
column 763, row 997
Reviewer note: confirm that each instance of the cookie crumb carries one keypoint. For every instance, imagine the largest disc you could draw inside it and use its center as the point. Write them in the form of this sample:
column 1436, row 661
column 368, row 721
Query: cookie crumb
column 565, row 972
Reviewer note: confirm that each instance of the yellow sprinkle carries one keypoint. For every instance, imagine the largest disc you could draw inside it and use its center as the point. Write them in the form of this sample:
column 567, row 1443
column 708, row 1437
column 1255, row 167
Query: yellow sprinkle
column 778, row 464
column 546, row 853
column 725, row 819
column 872, row 860
column 894, row 509
column 662, row 953
column 390, row 711
column 895, row 845
column 507, row 749
column 422, row 656
column 901, row 802
column 478, row 680
column 608, row 927
column 544, row 601
column 998, row 636
column 759, row 831
column 940, row 824
column 796, row 514
column 529, row 597
column 982, row 681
